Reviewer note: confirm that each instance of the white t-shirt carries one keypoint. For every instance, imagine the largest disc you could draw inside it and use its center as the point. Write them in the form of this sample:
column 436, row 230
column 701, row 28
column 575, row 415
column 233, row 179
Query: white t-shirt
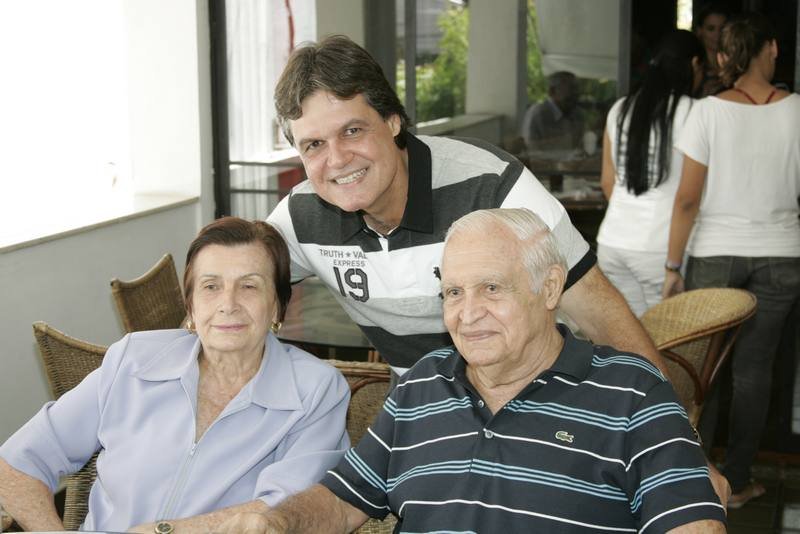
column 749, row 205
column 641, row 223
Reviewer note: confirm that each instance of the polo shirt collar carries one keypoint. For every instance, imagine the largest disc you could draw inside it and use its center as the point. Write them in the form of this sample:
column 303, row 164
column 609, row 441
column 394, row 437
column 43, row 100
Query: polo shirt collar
column 273, row 387
column 418, row 213
column 575, row 359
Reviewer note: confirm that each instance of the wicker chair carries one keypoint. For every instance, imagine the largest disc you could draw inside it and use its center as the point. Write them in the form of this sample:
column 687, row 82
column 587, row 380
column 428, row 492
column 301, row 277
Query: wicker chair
column 153, row 301
column 695, row 332
column 67, row 361
column 369, row 384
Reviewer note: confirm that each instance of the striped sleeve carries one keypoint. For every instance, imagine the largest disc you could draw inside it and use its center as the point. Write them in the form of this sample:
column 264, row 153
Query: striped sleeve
column 529, row 193
column 360, row 477
column 667, row 476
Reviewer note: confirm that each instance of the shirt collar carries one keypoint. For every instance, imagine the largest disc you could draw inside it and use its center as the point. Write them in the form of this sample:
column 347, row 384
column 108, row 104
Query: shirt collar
column 418, row 213
column 273, row 387
column 575, row 359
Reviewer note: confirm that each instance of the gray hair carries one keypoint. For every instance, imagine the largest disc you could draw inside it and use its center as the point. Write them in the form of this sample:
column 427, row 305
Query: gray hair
column 538, row 246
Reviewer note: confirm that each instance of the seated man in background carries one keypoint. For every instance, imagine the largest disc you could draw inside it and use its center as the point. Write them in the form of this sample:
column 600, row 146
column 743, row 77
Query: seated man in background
column 556, row 123
column 520, row 427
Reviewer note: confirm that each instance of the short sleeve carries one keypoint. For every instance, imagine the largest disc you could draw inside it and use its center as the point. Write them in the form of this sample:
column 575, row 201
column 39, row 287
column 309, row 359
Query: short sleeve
column 693, row 140
column 529, row 193
column 360, row 478
column 63, row 435
column 667, row 482
column 281, row 219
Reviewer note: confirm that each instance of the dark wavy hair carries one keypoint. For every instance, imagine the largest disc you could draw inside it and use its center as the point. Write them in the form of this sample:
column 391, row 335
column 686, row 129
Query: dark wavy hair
column 743, row 38
column 652, row 108
column 341, row 67
column 232, row 231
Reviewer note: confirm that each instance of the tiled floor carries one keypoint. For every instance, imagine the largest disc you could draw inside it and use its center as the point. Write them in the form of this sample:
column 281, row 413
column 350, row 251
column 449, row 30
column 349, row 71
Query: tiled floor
column 778, row 511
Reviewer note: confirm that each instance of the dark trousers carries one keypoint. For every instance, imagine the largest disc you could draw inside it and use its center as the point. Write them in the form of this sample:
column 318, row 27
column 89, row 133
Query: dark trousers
column 775, row 282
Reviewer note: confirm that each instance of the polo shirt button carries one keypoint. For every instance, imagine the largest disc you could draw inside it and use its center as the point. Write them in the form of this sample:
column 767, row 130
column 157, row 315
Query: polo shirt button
column 488, row 434
column 481, row 404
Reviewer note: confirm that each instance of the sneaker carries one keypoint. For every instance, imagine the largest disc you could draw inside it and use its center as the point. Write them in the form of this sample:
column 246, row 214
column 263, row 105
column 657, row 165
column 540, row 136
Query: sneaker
column 752, row 491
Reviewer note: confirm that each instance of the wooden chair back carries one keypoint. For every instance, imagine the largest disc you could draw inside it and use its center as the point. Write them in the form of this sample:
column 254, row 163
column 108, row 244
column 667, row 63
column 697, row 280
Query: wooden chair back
column 153, row 301
column 695, row 332
column 67, row 361
column 369, row 385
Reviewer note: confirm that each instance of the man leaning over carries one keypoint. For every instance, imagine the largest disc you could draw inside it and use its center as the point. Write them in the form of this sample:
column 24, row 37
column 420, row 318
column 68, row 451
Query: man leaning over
column 520, row 427
column 371, row 218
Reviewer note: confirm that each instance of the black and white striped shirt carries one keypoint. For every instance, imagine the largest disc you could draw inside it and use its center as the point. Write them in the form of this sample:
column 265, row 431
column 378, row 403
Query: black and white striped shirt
column 597, row 443
column 387, row 284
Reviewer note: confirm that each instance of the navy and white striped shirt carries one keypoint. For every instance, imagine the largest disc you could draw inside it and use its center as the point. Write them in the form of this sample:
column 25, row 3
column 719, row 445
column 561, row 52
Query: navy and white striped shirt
column 598, row 442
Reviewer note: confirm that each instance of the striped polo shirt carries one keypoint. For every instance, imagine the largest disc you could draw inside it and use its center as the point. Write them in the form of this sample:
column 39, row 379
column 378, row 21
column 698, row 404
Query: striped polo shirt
column 597, row 443
column 387, row 284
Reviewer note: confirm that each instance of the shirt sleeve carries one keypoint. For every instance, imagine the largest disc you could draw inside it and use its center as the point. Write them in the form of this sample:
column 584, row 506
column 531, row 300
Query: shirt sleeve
column 529, row 193
column 693, row 139
column 360, row 478
column 281, row 219
column 667, row 482
column 62, row 436
column 315, row 443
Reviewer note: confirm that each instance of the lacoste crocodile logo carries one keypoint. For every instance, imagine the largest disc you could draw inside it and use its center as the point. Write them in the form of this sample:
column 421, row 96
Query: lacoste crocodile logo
column 564, row 436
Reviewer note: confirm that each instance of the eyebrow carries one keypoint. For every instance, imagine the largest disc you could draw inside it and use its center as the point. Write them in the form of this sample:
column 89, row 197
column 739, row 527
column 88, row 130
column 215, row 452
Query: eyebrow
column 248, row 275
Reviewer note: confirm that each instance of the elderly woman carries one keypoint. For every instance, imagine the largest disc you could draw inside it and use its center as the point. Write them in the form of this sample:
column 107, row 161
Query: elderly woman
column 192, row 426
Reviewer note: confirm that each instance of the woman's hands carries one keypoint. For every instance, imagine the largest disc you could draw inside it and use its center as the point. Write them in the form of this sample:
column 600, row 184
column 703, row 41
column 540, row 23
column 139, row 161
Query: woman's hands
column 673, row 284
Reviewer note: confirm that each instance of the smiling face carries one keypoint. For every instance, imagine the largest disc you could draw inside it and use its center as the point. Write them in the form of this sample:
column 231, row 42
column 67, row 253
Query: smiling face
column 489, row 306
column 233, row 301
column 350, row 155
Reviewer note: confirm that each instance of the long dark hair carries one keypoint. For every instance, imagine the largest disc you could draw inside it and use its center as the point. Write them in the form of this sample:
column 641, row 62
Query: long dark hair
column 668, row 77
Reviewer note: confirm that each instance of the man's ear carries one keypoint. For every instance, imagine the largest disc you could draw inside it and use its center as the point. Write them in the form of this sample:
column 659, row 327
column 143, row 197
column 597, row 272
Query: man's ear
column 394, row 124
column 553, row 286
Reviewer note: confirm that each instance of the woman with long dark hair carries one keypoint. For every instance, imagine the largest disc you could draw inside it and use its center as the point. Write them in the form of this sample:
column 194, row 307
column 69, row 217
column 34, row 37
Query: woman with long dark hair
column 738, row 194
column 641, row 171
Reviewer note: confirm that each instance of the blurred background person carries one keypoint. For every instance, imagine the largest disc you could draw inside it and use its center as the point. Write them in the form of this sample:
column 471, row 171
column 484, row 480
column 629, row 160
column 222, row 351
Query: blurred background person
column 708, row 27
column 557, row 123
column 641, row 171
column 192, row 425
column 738, row 191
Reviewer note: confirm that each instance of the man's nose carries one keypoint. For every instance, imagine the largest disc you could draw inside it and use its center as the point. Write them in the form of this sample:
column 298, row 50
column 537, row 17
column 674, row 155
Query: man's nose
column 339, row 155
column 472, row 309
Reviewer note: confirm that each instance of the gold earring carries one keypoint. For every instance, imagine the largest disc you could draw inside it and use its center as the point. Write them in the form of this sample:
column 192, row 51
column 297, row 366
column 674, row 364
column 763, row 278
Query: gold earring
column 275, row 327
column 190, row 326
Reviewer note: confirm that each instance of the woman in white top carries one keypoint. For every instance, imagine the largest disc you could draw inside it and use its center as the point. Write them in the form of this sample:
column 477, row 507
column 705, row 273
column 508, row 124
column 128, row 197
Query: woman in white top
column 641, row 171
column 739, row 191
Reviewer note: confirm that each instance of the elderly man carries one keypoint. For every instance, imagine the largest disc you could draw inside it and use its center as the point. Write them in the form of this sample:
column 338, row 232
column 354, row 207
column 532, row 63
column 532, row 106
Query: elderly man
column 520, row 427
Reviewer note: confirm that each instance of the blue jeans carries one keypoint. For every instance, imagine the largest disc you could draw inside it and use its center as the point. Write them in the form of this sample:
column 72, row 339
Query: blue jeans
column 775, row 281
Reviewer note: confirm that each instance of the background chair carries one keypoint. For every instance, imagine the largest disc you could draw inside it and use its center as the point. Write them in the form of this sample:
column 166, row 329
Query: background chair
column 369, row 385
column 695, row 332
column 153, row 301
column 67, row 361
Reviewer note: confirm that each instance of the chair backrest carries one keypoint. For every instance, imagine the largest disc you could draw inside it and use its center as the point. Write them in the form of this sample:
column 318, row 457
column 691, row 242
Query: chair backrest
column 369, row 385
column 695, row 332
column 153, row 301
column 67, row 361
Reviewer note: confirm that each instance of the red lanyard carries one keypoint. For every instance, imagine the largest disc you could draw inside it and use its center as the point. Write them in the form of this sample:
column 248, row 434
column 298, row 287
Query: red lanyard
column 751, row 99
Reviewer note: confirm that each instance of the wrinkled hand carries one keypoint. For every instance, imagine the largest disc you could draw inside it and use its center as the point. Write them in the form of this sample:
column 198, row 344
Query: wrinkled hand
column 673, row 284
column 721, row 485
column 247, row 523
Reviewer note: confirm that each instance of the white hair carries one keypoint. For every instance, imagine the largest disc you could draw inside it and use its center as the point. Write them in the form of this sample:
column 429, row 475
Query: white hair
column 537, row 245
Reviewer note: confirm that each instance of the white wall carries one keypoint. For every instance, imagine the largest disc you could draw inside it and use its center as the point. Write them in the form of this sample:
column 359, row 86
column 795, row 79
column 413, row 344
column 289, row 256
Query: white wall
column 344, row 17
column 496, row 59
column 65, row 281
